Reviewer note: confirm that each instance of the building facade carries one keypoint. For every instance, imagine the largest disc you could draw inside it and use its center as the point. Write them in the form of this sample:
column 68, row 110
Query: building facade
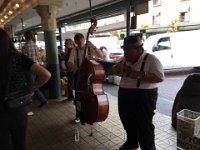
column 172, row 15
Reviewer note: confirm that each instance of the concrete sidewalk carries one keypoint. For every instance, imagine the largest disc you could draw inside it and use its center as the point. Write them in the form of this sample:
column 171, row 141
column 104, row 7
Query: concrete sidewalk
column 52, row 128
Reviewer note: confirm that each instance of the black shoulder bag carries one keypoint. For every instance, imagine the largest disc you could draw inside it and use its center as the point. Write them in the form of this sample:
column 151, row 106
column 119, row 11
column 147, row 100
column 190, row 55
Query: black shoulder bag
column 18, row 98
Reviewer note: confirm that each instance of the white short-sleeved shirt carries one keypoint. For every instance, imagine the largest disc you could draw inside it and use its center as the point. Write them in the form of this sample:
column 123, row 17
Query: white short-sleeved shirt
column 152, row 65
column 73, row 54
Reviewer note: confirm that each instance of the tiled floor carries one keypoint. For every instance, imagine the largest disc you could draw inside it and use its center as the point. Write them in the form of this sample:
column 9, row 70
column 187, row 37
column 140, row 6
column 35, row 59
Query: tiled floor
column 52, row 128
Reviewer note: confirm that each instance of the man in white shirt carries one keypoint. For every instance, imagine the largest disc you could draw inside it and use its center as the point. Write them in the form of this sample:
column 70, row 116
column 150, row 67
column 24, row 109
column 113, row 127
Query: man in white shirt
column 137, row 95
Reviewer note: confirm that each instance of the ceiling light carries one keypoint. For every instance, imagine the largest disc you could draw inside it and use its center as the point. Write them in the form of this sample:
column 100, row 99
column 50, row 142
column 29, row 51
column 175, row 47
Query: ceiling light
column 2, row 20
column 10, row 12
column 5, row 17
column 17, row 5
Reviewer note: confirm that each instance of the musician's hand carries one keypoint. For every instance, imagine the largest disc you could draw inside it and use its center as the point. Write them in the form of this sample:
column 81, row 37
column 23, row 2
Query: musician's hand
column 71, row 67
column 133, row 74
column 137, row 74
column 118, row 68
column 127, row 70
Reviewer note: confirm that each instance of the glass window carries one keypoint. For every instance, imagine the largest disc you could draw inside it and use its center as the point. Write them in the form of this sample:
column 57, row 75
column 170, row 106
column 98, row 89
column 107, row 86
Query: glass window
column 156, row 19
column 156, row 2
column 182, row 17
column 162, row 44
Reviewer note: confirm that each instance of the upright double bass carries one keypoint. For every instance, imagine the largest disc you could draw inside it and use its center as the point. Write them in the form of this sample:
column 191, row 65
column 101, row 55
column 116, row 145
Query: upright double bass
column 92, row 102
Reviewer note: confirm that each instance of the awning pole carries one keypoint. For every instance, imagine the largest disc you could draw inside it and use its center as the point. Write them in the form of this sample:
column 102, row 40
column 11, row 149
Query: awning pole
column 128, row 15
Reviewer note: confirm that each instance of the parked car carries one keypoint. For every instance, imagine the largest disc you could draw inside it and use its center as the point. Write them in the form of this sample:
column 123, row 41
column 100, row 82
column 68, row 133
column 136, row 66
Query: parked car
column 175, row 50
column 114, row 54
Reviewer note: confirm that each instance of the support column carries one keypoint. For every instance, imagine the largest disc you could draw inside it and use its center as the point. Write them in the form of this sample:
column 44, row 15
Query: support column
column 60, row 35
column 48, row 11
column 128, row 15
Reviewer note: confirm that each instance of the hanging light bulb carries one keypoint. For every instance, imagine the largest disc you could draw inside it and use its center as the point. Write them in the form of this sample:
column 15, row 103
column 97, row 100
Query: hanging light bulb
column 17, row 5
column 10, row 12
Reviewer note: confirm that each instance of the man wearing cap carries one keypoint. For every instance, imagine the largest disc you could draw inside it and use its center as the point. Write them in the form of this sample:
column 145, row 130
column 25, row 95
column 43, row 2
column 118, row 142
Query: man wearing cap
column 74, row 60
column 141, row 72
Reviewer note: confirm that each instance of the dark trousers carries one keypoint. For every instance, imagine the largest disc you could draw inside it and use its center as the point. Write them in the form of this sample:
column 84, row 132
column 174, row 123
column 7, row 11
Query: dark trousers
column 13, row 129
column 136, row 110
column 71, row 84
column 76, row 87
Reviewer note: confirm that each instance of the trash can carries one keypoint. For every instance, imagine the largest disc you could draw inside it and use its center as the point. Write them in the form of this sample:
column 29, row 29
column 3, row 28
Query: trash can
column 188, row 130
column 188, row 97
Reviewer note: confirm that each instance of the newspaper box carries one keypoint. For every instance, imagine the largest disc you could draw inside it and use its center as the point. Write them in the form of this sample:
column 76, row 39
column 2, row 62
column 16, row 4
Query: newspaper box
column 188, row 130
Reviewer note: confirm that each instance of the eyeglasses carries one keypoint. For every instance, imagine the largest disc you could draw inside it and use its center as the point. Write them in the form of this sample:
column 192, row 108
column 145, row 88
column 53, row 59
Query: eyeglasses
column 130, row 47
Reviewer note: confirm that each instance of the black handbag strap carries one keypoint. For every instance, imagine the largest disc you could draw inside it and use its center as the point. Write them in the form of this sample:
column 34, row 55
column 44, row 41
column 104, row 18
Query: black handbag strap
column 141, row 69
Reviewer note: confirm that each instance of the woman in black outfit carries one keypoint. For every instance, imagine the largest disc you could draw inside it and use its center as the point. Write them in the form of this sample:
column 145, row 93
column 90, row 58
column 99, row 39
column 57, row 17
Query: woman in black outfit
column 13, row 122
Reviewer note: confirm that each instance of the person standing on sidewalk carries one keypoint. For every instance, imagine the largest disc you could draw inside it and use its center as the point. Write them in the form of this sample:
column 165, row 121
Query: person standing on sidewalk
column 76, row 56
column 30, row 49
column 138, row 90
column 13, row 122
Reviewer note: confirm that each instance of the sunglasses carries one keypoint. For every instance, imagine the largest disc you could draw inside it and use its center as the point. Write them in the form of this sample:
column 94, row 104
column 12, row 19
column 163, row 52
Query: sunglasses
column 129, row 47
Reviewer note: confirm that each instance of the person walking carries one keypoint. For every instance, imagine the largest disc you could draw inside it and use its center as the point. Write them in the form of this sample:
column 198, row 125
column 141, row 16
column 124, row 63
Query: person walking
column 14, row 121
column 30, row 49
column 76, row 56
column 137, row 95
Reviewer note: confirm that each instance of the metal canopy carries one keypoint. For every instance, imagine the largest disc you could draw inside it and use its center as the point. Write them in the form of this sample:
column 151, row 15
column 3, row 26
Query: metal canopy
column 100, row 11
column 75, row 11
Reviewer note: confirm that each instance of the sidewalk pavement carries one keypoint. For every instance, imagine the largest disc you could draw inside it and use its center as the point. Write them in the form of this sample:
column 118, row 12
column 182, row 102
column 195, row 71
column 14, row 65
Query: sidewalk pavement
column 52, row 128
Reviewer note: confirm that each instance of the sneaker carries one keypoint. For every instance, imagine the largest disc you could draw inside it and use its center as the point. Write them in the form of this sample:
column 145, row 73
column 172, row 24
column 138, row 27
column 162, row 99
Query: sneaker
column 77, row 120
column 42, row 104
column 30, row 113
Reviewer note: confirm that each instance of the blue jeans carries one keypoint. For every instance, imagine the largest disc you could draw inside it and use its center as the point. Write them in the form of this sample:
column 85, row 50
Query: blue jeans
column 31, row 79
